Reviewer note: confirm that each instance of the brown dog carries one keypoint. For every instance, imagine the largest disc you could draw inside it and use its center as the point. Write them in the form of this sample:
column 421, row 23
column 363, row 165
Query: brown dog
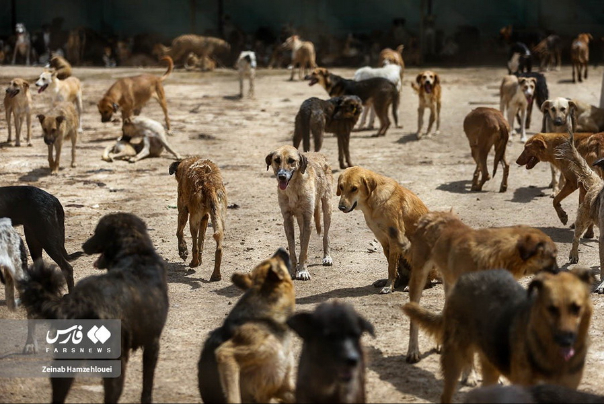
column 539, row 335
column 182, row 45
column 589, row 117
column 132, row 93
column 303, row 55
column 486, row 128
column 249, row 359
column 60, row 124
column 427, row 87
column 443, row 241
column 392, row 56
column 201, row 197
column 391, row 212
column 61, row 67
column 17, row 104
column 579, row 55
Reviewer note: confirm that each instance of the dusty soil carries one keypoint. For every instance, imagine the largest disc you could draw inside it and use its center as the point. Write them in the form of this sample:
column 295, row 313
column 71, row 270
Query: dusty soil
column 209, row 120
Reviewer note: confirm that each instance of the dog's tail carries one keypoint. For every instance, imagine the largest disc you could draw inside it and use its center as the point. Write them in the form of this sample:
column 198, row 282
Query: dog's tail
column 170, row 67
column 430, row 322
column 577, row 163
column 501, row 144
column 41, row 290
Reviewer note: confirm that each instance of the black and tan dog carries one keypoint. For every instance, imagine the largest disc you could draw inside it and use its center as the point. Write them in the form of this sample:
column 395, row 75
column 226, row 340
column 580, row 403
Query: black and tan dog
column 377, row 91
column 249, row 358
column 337, row 115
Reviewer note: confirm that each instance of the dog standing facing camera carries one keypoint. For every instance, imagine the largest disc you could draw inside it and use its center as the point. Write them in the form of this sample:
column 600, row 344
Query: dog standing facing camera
column 427, row 87
column 515, row 94
column 60, row 124
column 69, row 90
column 17, row 104
column 246, row 66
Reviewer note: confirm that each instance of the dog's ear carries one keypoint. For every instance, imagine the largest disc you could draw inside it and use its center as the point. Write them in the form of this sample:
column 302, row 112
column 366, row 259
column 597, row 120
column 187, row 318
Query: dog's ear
column 303, row 163
column 370, row 184
column 436, row 78
column 173, row 167
column 591, row 38
column 41, row 117
column 528, row 246
column 26, row 84
column 284, row 256
column 546, row 104
column 540, row 143
column 302, row 323
column 60, row 119
column 269, row 160
column 242, row 281
column 366, row 326
column 572, row 114
column 338, row 192
column 418, row 79
column 585, row 274
column 536, row 284
column 115, row 106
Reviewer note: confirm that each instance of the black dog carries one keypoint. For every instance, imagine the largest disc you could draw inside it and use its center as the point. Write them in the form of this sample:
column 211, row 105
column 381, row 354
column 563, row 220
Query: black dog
column 134, row 290
column 541, row 95
column 43, row 220
column 332, row 362
column 337, row 115
column 523, row 63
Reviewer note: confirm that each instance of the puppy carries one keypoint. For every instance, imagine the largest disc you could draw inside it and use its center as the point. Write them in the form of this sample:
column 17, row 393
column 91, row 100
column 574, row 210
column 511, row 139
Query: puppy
column 304, row 183
column 427, row 87
column 23, row 44
column 515, row 95
column 59, row 125
column 17, row 104
column 61, row 67
column 579, row 55
column 589, row 117
column 486, row 128
column 303, row 55
column 519, row 59
column 130, row 94
column 443, row 241
column 249, row 358
column 377, row 92
column 391, row 212
column 539, row 393
column 13, row 261
column 391, row 72
column 332, row 362
column 135, row 283
column 337, row 115
column 530, row 337
column 201, row 197
column 69, row 90
column 246, row 66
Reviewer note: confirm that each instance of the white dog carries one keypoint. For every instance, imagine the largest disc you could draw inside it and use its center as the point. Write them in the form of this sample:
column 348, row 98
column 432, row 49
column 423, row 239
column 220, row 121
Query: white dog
column 390, row 72
column 13, row 261
column 246, row 65
column 515, row 96
column 69, row 90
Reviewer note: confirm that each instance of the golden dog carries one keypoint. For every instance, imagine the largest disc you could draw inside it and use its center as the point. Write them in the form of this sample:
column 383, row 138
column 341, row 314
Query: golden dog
column 60, row 124
column 579, row 55
column 17, row 105
column 427, row 87
column 303, row 55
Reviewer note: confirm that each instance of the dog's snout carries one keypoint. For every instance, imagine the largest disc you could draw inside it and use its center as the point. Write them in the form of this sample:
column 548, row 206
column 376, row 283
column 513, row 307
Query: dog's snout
column 554, row 268
column 342, row 208
column 351, row 354
column 558, row 121
column 565, row 338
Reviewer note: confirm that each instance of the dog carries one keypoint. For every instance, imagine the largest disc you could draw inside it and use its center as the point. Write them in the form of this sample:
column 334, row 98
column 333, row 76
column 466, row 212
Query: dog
column 76, row 43
column 203, row 63
column 519, row 59
column 13, row 261
column 579, row 55
column 303, row 55
column 332, row 362
column 393, row 56
column 130, row 94
column 377, row 92
column 249, row 358
column 539, row 393
column 515, row 94
column 304, row 183
column 549, row 51
column 135, row 282
column 246, row 67
column 486, row 128
column 23, row 44
column 391, row 212
column 69, row 90
column 182, row 45
column 201, row 197
column 337, row 115
column 61, row 67
column 589, row 117
column 427, row 86
column 392, row 72
column 541, row 95
column 528, row 336
column 443, row 241
column 17, row 105
column 60, row 124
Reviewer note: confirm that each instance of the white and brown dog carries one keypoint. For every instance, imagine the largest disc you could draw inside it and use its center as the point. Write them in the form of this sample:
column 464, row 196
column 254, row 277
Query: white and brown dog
column 17, row 104
column 389, row 71
column 246, row 66
column 23, row 44
column 69, row 90
column 516, row 93
column 303, row 55
column 427, row 86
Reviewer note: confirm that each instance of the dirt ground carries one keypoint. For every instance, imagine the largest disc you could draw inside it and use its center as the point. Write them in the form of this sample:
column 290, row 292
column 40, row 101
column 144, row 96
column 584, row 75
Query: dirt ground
column 209, row 120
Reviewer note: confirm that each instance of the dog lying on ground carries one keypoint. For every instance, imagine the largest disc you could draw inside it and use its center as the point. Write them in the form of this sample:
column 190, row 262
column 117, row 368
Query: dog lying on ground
column 203, row 63
column 249, row 358
column 13, row 261
column 332, row 362
column 246, row 66
column 182, row 45
column 23, row 46
column 579, row 55
column 201, row 197
column 17, row 105
column 443, row 241
column 391, row 212
column 377, row 92
column 515, row 95
column 304, row 183
column 60, row 124
column 337, row 115
column 519, row 59
column 539, row 393
column 303, row 55
column 486, row 128
column 549, row 51
column 539, row 335
column 427, row 87
column 135, row 283
column 60, row 66
column 589, row 117
column 69, row 90
column 130, row 94
column 391, row 72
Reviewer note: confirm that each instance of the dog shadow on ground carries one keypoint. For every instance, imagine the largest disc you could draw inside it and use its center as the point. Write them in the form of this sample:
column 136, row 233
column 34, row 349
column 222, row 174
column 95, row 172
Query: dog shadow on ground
column 343, row 293
column 235, row 97
column 35, row 174
column 407, row 138
column 565, row 81
column 181, row 273
column 562, row 234
column 527, row 194
column 229, row 291
column 456, row 187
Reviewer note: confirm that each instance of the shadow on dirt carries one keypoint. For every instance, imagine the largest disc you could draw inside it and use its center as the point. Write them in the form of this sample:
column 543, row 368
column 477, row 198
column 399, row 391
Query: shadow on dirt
column 229, row 291
column 527, row 194
column 409, row 137
column 181, row 273
column 457, row 187
column 35, row 175
column 338, row 293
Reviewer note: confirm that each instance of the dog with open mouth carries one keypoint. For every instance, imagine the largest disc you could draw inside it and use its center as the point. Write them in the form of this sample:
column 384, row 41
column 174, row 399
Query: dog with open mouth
column 427, row 87
column 68, row 90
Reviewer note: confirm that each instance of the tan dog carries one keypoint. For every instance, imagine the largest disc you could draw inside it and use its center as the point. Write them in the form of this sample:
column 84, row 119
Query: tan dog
column 201, row 197
column 515, row 94
column 249, row 359
column 392, row 56
column 17, row 105
column 303, row 55
column 203, row 63
column 443, row 241
column 69, row 90
column 535, row 336
column 579, row 55
column 427, row 87
column 589, row 117
column 486, row 128
column 60, row 124
column 61, row 67
column 130, row 94
column 182, row 45
column 391, row 212
column 304, row 190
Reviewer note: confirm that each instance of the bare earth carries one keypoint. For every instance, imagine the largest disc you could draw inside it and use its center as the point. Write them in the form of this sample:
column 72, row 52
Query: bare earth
column 208, row 119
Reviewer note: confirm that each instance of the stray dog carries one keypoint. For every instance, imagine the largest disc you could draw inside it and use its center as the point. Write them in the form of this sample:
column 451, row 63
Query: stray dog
column 332, row 362
column 337, row 115
column 303, row 55
column 391, row 212
column 61, row 67
column 392, row 72
column 201, row 197
column 18, row 104
column 69, row 90
column 394, row 57
column 519, row 59
column 427, row 87
column 536, row 394
column 377, row 92
column 130, row 94
column 549, row 51
column 135, row 283
column 541, row 95
column 443, row 241
column 486, row 128
column 183, row 45
column 23, row 44
column 60, row 124
column 589, row 117
column 249, row 358
column 579, row 55
column 304, row 183
column 515, row 95
column 13, row 261
column 246, row 66
column 539, row 335
column 203, row 63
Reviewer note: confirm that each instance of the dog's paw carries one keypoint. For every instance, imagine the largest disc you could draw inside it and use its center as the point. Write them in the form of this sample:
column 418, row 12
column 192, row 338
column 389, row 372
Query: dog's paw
column 380, row 283
column 327, row 261
column 469, row 378
column 303, row 275
column 30, row 348
column 182, row 252
column 573, row 258
column 413, row 357
column 563, row 217
column 385, row 290
column 215, row 277
column 600, row 288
